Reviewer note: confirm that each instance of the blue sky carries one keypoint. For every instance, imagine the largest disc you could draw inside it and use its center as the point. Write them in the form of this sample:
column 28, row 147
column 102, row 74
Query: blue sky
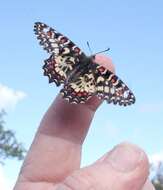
column 132, row 29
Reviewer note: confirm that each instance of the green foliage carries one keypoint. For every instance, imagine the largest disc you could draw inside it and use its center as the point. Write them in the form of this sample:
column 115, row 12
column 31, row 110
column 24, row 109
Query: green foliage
column 158, row 177
column 158, row 186
column 9, row 146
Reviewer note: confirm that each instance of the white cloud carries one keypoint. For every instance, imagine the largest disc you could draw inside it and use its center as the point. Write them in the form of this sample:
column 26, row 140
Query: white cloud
column 156, row 158
column 2, row 179
column 5, row 184
column 9, row 97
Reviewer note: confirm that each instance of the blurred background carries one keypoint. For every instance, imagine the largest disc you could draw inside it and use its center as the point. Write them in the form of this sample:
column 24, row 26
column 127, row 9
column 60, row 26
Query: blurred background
column 134, row 32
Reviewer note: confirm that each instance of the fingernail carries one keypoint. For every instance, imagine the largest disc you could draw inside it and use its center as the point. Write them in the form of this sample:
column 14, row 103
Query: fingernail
column 125, row 157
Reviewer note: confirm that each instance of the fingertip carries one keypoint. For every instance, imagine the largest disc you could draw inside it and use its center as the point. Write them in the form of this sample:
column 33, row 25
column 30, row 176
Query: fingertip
column 129, row 163
column 105, row 61
column 126, row 157
column 93, row 103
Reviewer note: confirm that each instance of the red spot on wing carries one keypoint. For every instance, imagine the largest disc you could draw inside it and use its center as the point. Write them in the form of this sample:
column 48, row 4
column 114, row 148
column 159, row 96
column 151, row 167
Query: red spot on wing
column 85, row 93
column 49, row 33
column 63, row 40
column 79, row 94
column 77, row 50
column 113, row 80
column 101, row 69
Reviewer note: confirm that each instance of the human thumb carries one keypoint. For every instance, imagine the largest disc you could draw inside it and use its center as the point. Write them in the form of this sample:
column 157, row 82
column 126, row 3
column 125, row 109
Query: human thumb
column 124, row 168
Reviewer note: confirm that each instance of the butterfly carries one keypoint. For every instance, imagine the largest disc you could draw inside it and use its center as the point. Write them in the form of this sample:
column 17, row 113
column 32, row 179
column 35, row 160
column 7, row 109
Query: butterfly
column 80, row 75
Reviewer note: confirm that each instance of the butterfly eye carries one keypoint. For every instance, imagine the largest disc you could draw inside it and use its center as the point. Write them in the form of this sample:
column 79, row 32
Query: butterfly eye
column 93, row 57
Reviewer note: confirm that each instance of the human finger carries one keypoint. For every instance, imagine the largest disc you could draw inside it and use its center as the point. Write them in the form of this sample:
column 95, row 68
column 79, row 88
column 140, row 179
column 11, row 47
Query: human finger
column 56, row 149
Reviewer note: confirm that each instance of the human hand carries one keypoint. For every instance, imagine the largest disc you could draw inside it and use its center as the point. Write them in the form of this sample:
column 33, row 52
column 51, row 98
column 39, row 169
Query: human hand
column 53, row 161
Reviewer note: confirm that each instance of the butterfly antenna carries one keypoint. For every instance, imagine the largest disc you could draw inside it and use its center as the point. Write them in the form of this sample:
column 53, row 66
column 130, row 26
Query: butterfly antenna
column 102, row 51
column 89, row 48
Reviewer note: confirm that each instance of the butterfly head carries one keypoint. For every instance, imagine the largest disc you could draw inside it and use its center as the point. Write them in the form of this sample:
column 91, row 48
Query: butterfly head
column 89, row 47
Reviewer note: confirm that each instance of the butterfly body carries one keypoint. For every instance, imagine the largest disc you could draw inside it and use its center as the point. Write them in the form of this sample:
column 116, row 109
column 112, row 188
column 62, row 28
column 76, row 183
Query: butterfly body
column 81, row 75
column 86, row 63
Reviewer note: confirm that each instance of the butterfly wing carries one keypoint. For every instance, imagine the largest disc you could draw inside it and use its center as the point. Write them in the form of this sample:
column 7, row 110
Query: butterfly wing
column 65, row 55
column 111, row 88
column 80, row 89
column 58, row 68
column 103, row 83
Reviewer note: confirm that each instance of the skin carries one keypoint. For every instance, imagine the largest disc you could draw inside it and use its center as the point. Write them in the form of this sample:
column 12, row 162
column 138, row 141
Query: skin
column 53, row 161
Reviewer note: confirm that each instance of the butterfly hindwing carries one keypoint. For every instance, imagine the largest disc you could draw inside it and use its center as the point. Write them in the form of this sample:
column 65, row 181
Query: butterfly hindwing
column 80, row 89
column 112, row 89
column 58, row 68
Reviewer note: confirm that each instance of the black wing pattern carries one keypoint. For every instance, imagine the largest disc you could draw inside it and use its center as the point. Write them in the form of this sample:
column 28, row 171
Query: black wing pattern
column 101, row 82
column 80, row 89
column 112, row 89
column 65, row 55
column 65, row 61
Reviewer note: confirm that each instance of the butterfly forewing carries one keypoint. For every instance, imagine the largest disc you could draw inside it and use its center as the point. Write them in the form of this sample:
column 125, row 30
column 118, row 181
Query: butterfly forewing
column 65, row 55
column 54, row 42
